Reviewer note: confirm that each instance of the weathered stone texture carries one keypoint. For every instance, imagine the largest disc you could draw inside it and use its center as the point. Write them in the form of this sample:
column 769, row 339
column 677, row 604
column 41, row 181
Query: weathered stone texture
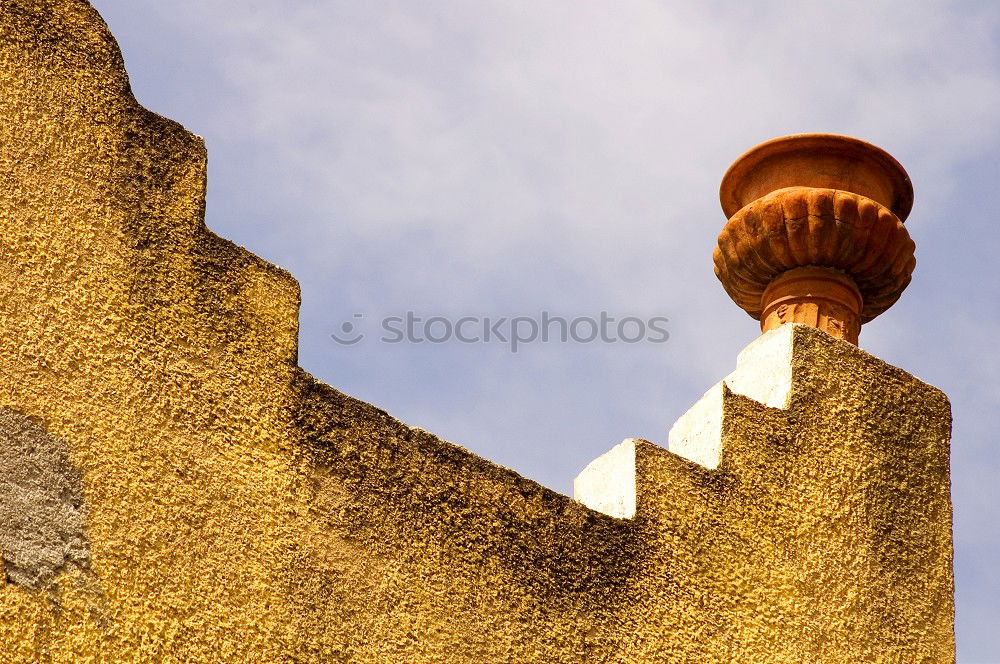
column 41, row 504
column 237, row 510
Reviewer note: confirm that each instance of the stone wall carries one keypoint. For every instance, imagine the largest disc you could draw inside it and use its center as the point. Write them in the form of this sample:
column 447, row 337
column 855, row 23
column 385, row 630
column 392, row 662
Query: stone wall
column 174, row 488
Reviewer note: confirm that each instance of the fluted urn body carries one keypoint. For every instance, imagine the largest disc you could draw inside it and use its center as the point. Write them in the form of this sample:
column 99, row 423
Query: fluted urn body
column 815, row 232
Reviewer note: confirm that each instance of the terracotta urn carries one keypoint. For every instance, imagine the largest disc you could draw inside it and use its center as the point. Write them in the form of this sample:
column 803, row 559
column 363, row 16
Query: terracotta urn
column 815, row 232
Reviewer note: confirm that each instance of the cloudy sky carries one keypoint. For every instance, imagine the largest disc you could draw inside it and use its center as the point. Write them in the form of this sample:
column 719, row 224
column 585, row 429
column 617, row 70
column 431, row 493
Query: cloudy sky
column 503, row 158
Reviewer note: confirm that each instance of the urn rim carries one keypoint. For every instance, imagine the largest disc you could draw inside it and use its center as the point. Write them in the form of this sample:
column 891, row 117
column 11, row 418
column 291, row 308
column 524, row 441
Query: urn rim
column 817, row 160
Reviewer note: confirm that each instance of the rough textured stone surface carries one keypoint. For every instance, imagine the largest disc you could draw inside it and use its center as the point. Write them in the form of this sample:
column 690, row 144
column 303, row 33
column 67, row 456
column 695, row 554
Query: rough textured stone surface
column 41, row 504
column 239, row 511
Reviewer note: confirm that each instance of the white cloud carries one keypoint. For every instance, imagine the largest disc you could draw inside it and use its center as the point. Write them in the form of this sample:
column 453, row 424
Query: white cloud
column 588, row 134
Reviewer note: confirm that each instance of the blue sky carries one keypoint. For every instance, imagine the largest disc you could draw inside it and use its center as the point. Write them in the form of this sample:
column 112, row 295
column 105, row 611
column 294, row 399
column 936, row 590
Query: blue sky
column 504, row 158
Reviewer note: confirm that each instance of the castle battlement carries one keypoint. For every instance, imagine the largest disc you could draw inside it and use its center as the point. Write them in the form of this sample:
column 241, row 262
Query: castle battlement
column 175, row 488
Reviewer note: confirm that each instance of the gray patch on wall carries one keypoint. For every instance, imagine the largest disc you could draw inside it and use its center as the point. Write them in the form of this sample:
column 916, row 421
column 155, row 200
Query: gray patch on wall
column 42, row 514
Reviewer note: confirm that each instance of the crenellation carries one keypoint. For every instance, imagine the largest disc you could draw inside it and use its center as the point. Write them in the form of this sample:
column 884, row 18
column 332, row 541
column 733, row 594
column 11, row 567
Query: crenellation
column 217, row 503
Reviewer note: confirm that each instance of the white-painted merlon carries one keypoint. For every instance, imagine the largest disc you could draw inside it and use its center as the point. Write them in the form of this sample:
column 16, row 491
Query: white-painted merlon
column 608, row 484
column 763, row 373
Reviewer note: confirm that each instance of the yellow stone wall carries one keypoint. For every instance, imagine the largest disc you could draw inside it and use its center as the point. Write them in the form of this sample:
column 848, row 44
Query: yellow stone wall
column 173, row 487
